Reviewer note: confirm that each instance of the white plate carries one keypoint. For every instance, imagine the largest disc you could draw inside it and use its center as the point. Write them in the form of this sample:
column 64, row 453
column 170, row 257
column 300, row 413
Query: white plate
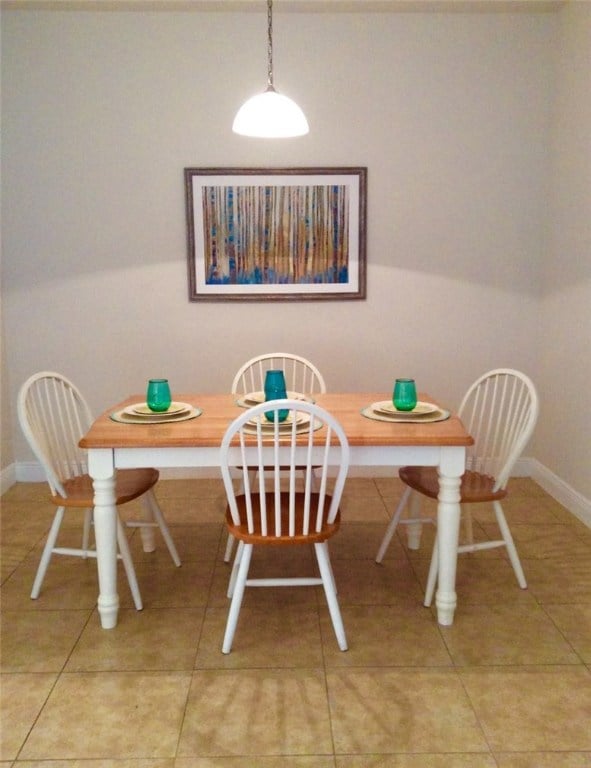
column 302, row 418
column 142, row 409
column 408, row 418
column 127, row 417
column 388, row 407
column 254, row 398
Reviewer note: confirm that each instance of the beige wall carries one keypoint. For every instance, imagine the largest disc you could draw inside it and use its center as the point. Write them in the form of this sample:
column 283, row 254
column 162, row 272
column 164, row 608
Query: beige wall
column 450, row 112
column 6, row 452
column 563, row 439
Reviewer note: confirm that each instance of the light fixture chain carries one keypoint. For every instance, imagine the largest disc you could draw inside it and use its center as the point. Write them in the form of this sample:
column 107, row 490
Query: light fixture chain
column 270, row 43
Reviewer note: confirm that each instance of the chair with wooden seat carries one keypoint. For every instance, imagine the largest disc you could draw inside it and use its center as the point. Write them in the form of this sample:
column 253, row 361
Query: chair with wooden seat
column 301, row 376
column 275, row 513
column 500, row 411
column 54, row 416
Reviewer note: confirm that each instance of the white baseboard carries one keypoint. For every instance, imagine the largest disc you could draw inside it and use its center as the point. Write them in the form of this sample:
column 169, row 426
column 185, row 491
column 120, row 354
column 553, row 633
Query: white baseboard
column 574, row 501
column 31, row 472
column 7, row 478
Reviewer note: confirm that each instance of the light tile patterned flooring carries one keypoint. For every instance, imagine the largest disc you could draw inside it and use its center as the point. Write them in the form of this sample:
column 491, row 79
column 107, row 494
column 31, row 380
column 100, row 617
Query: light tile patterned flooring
column 509, row 685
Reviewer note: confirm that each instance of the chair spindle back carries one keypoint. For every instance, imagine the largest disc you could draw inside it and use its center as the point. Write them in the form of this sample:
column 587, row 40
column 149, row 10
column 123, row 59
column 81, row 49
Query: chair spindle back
column 500, row 411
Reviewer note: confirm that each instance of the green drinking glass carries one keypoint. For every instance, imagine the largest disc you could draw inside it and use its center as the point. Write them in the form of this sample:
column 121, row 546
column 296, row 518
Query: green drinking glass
column 158, row 395
column 275, row 390
column 405, row 394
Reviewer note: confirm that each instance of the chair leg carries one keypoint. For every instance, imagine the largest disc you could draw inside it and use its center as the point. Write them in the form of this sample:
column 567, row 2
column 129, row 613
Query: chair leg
column 147, row 525
column 331, row 597
column 86, row 529
column 315, row 484
column 468, row 524
column 432, row 578
column 162, row 524
column 390, row 530
column 47, row 552
column 229, row 548
column 128, row 565
column 510, row 544
column 234, row 574
column 414, row 524
column 239, row 490
column 334, row 583
column 237, row 596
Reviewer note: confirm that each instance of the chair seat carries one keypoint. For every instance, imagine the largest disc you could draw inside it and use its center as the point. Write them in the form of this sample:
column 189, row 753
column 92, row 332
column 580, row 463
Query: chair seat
column 130, row 484
column 241, row 532
column 475, row 487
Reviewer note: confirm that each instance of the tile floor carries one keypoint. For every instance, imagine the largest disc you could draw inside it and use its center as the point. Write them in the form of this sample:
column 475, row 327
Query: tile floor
column 509, row 685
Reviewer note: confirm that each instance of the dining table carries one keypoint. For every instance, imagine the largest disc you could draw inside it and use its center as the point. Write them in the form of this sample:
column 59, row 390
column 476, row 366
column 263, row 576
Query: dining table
column 195, row 442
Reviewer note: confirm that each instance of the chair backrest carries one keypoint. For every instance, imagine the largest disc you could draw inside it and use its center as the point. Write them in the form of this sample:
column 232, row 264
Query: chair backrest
column 500, row 411
column 300, row 374
column 53, row 416
column 310, row 440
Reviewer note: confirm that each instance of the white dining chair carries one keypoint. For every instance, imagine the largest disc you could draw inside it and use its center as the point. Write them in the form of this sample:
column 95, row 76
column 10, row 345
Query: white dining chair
column 500, row 411
column 54, row 416
column 272, row 513
column 301, row 376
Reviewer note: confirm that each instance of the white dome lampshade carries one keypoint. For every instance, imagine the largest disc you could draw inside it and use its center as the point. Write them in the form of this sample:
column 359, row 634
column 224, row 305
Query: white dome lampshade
column 270, row 115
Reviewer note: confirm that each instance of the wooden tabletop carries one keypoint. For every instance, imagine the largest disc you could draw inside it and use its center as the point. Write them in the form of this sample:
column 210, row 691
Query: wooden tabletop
column 208, row 429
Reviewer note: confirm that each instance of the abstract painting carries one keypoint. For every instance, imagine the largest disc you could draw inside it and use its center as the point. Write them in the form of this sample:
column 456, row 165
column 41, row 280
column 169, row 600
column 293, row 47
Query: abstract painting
column 280, row 233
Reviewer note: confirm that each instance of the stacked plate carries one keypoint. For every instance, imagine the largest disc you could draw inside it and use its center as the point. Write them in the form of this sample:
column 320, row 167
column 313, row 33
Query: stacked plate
column 302, row 421
column 254, row 398
column 385, row 410
column 139, row 413
column 142, row 409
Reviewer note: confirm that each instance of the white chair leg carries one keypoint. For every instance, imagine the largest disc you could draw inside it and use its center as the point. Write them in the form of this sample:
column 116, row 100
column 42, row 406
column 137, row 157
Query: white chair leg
column 147, row 525
column 414, row 524
column 128, row 565
column 334, row 583
column 86, row 529
column 432, row 578
column 47, row 552
column 239, row 490
column 237, row 596
column 510, row 544
column 315, row 483
column 229, row 548
column 390, row 530
column 331, row 597
column 468, row 524
column 234, row 574
column 164, row 529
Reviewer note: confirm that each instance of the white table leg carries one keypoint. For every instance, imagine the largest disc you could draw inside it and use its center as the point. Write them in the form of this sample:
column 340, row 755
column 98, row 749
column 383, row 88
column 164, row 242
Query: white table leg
column 448, row 527
column 414, row 530
column 100, row 465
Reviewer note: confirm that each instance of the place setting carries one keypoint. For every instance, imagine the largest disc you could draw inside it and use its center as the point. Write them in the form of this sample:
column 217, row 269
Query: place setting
column 159, row 407
column 404, row 407
column 255, row 398
column 275, row 389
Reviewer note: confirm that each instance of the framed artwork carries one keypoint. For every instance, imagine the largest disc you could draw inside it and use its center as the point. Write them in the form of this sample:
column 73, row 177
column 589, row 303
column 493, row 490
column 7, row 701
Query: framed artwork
column 276, row 233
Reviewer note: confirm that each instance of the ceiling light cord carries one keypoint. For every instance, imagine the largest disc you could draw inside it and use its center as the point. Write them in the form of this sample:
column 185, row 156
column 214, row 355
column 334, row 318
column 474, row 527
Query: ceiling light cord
column 270, row 115
column 270, row 85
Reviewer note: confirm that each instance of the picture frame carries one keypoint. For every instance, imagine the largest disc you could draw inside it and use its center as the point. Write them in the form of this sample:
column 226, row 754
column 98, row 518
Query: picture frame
column 270, row 234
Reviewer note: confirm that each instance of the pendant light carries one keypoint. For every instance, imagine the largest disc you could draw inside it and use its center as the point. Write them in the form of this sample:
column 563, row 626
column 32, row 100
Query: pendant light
column 270, row 115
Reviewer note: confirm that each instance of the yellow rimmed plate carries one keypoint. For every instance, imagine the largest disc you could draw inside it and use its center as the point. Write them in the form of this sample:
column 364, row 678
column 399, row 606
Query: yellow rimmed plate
column 388, row 408
column 408, row 418
column 142, row 409
column 255, row 398
column 125, row 417
column 301, row 418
